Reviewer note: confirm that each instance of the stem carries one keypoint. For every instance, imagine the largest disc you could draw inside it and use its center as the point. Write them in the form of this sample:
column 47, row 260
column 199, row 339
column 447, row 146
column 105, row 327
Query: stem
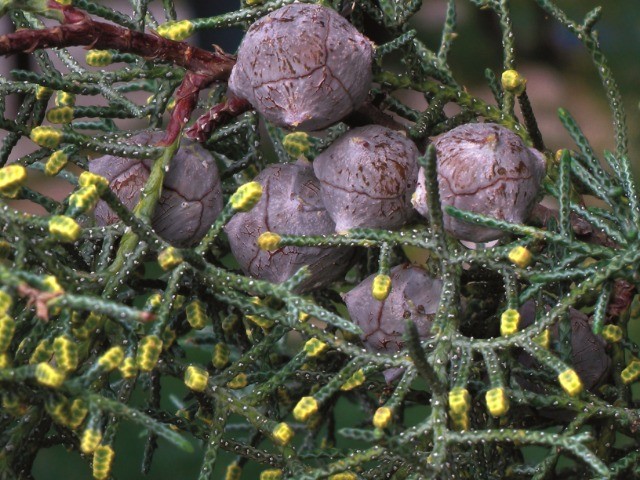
column 78, row 28
column 143, row 210
column 216, row 116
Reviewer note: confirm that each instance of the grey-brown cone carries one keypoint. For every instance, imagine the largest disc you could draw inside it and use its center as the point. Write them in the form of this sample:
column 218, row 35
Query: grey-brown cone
column 191, row 197
column 303, row 66
column 487, row 169
column 290, row 204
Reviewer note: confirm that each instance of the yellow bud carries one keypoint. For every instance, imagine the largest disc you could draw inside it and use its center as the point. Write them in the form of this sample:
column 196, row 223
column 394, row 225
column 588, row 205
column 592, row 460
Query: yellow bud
column 296, row 144
column 48, row 376
column 271, row 474
column 65, row 99
column 262, row 322
column 245, row 198
column 7, row 329
column 102, row 460
column 5, row 302
column 497, row 401
column 64, row 229
column 197, row 315
column 42, row 352
column 176, row 30
column 570, row 382
column 149, row 350
column 632, row 372
column 558, row 155
column 10, row 192
column 513, row 82
column 42, row 92
column 77, row 413
column 196, row 378
column 612, row 333
column 128, row 368
column 269, row 241
column 543, row 338
column 315, row 347
column 306, row 407
column 343, row 476
column 84, row 200
column 521, row 256
column 381, row 287
column 111, row 359
column 55, row 163
column 58, row 411
column 51, row 284
column 90, row 440
column 48, row 137
column 234, row 472
column 220, row 355
column 89, row 178
column 259, row 301
column 459, row 401
column 153, row 302
column 460, row 421
column 169, row 258
column 382, row 418
column 5, row 361
column 66, row 352
column 12, row 176
column 172, row 104
column 76, row 319
column 238, row 382
column 60, row 115
column 354, row 381
column 99, row 58
column 283, row 434
column 509, row 322
column 91, row 324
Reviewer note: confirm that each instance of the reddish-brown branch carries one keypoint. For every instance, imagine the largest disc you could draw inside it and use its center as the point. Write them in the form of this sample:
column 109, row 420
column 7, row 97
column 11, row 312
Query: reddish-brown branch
column 218, row 115
column 78, row 28
column 38, row 298
column 621, row 297
column 186, row 100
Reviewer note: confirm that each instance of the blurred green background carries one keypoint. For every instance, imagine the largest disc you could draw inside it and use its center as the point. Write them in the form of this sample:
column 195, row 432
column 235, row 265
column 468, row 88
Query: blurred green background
column 558, row 69
column 559, row 74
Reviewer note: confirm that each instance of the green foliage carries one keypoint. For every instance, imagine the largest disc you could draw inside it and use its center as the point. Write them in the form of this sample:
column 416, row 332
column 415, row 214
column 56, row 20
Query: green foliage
column 94, row 318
